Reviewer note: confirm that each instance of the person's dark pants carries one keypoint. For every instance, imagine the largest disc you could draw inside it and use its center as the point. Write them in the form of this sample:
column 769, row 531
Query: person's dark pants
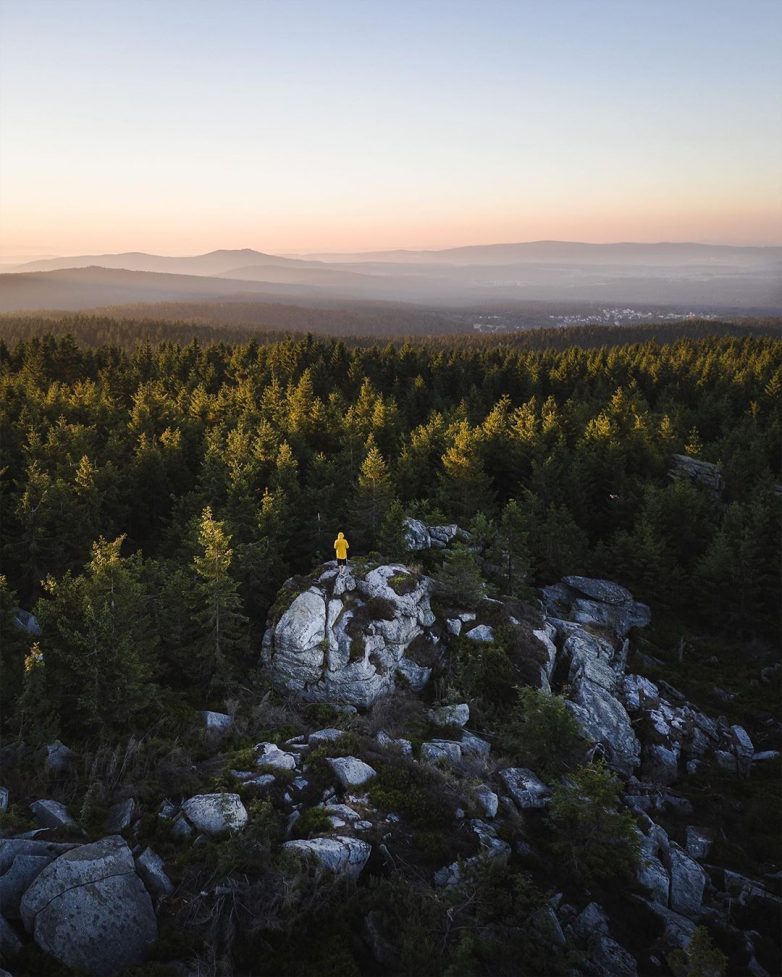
column 342, row 563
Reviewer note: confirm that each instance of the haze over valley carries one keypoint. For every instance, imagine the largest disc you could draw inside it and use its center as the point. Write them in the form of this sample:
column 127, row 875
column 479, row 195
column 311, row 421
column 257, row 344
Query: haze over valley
column 576, row 278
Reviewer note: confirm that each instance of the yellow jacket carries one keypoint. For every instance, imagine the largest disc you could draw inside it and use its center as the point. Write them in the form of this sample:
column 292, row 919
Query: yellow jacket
column 341, row 545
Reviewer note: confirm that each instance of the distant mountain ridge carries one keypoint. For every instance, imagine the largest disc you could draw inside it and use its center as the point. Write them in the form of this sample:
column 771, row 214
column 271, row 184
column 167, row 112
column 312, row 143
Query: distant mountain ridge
column 692, row 277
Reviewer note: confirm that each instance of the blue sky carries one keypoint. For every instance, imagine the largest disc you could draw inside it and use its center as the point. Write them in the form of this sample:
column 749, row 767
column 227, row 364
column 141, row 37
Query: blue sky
column 182, row 126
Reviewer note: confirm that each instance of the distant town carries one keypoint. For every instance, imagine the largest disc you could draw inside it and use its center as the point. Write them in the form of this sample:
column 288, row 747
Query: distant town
column 606, row 317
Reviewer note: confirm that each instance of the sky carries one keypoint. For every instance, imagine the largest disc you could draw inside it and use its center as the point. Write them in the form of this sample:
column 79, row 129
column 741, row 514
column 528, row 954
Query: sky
column 292, row 126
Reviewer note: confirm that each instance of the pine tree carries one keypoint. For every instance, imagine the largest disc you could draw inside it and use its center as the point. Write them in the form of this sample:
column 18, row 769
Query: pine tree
column 372, row 499
column 460, row 580
column 513, row 543
column 465, row 488
column 222, row 624
column 391, row 541
column 97, row 642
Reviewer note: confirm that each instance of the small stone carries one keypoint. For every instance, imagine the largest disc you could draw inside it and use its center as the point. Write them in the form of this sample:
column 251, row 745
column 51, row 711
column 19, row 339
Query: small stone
column 217, row 725
column 435, row 750
column 766, row 756
column 321, row 736
column 416, row 676
column 481, row 633
column 487, row 801
column 403, row 746
column 699, row 842
column 52, row 814
column 475, row 745
column 152, row 870
column 121, row 816
column 59, row 758
column 454, row 715
column 270, row 755
column 168, row 811
column 350, row 771
column 4, row 795
column 216, row 814
column 262, row 781
column 726, row 760
column 454, row 626
column 341, row 811
column 181, row 828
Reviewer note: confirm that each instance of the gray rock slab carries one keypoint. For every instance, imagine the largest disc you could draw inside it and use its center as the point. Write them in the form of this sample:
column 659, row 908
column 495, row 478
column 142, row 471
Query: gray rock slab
column 152, row 870
column 10, row 944
column 11, row 847
column 688, row 881
column 417, row 676
column 17, row 879
column 121, row 816
column 526, row 789
column 605, row 591
column 474, row 745
column 53, row 814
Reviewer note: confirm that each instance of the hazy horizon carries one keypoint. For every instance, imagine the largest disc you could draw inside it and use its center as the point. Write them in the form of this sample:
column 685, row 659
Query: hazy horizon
column 181, row 128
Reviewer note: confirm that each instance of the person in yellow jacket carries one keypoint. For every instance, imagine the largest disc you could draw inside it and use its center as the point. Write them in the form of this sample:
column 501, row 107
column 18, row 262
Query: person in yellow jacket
column 341, row 547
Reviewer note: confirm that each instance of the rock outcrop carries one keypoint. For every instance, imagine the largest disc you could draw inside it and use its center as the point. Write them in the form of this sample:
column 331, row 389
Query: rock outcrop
column 347, row 637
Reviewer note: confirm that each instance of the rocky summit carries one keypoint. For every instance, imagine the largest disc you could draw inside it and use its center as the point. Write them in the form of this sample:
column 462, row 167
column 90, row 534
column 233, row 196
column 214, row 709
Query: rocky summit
column 378, row 753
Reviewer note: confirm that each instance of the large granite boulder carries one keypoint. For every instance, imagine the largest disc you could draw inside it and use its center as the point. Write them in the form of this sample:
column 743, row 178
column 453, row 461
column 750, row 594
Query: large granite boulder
column 90, row 910
column 347, row 638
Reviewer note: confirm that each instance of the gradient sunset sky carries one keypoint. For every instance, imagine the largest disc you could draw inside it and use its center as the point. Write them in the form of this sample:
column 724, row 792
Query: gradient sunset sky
column 290, row 125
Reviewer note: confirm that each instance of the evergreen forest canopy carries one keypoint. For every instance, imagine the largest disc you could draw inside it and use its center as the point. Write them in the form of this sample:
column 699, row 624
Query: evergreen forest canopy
column 154, row 500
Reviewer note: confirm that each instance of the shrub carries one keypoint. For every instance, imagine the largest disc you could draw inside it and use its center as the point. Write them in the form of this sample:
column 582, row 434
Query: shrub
column 543, row 735
column 460, row 581
column 415, row 792
column 595, row 840
column 402, row 583
column 313, row 821
column 700, row 958
column 380, row 609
